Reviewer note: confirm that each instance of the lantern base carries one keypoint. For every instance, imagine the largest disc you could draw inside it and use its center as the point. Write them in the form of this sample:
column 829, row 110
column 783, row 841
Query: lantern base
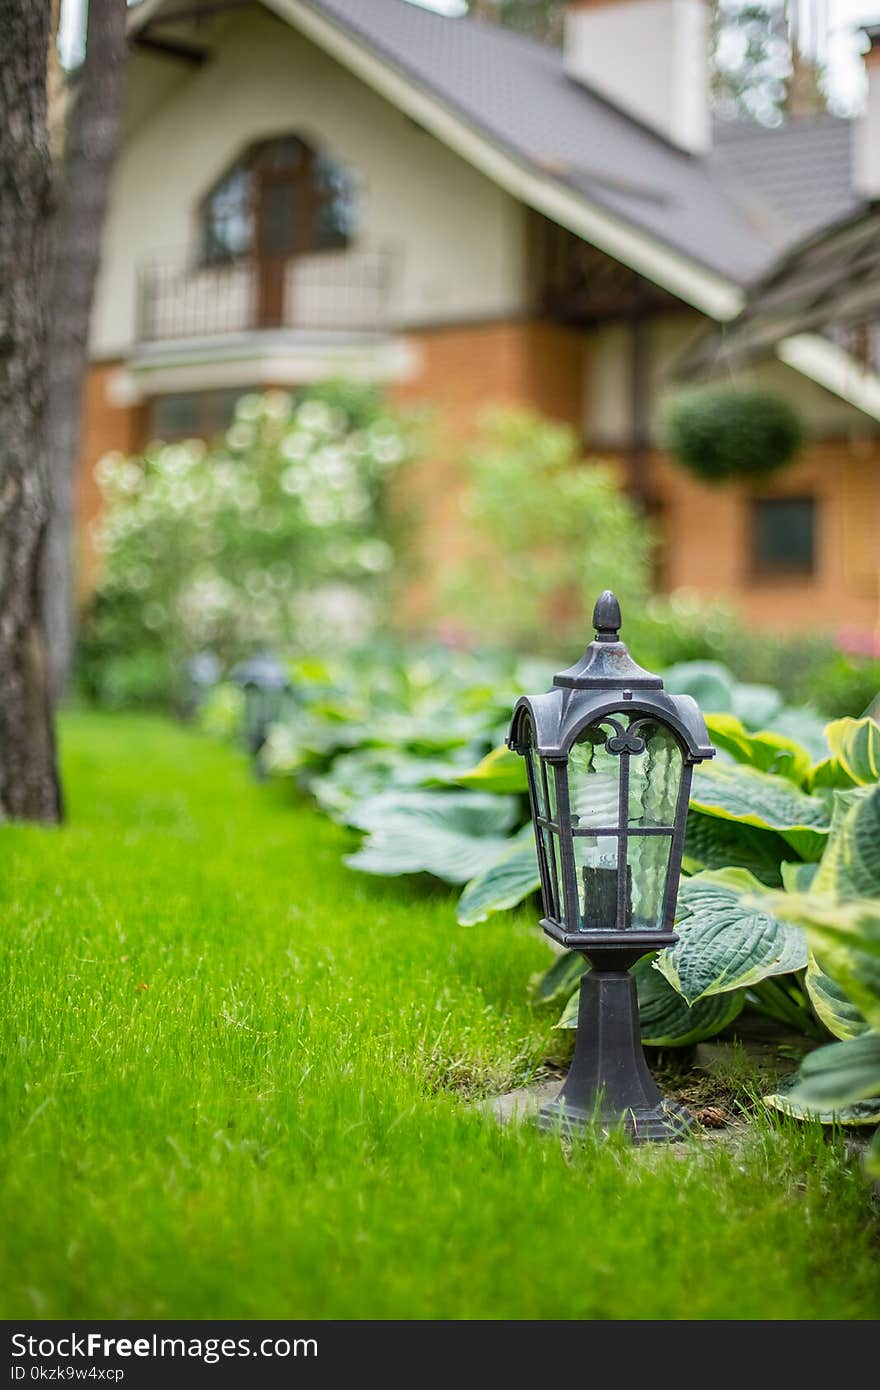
column 664, row 1124
column 609, row 1084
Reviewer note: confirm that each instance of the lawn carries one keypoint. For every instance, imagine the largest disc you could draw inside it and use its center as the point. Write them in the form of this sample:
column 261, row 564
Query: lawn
column 238, row 1080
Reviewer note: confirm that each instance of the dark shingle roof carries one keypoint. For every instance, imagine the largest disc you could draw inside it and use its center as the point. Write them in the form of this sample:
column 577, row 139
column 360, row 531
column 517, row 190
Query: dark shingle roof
column 732, row 211
column 796, row 178
column 516, row 92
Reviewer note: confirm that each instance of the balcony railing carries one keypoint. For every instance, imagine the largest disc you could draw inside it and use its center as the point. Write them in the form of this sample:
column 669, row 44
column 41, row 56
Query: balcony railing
column 331, row 291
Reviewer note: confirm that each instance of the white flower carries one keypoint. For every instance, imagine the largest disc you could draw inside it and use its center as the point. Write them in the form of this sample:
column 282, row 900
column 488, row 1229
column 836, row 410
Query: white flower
column 298, row 444
column 374, row 556
column 240, row 435
column 277, row 404
column 294, row 480
column 315, row 415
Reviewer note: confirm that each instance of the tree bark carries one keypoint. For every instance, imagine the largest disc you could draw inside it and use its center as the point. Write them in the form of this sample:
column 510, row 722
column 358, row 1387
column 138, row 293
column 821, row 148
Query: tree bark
column 90, row 147
column 29, row 787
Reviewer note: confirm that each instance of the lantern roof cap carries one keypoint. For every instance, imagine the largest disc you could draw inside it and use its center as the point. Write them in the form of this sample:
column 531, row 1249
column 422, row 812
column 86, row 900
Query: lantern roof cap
column 606, row 662
column 263, row 670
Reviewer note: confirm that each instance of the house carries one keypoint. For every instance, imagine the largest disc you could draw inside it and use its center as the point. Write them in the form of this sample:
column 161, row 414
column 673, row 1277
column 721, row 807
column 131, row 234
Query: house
column 309, row 188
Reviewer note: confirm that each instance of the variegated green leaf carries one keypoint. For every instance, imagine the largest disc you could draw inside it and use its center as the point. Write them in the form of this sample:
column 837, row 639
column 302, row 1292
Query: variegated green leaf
column 786, row 1099
column 850, row 866
column 504, row 883
column 839, row 1074
column 796, row 878
column 766, row 750
column 724, row 944
column 855, row 754
column 832, row 1003
column 844, row 935
column 665, row 1019
column 453, row 835
column 749, row 797
column 559, row 979
column 712, row 843
column 500, row 771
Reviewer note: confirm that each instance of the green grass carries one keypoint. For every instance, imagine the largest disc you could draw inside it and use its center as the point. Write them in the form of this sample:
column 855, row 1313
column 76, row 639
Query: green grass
column 237, row 1081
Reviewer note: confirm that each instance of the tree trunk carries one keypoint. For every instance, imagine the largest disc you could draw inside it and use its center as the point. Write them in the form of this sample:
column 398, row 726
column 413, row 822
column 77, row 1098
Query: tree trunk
column 29, row 786
column 82, row 200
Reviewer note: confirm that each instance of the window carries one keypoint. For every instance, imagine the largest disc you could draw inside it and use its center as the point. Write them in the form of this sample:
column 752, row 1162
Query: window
column 784, row 535
column 280, row 198
column 193, row 414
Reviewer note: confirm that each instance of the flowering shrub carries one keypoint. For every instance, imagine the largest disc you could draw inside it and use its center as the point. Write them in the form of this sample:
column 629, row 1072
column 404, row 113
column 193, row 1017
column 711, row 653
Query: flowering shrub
column 543, row 531
column 278, row 536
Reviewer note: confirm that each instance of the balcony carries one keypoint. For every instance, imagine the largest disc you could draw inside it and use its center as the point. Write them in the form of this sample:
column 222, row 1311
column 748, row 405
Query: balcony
column 345, row 294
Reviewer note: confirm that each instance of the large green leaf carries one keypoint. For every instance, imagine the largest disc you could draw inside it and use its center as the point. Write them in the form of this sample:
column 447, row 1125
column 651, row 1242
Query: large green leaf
column 855, row 754
column 724, row 944
column 500, row 771
column 766, row 750
column 842, row 1073
column 453, row 835
column 559, row 979
column 787, row 1099
column 832, row 1003
column 710, row 683
column 665, row 1019
column 749, row 797
column 845, row 937
column 711, row 843
column 805, row 727
column 355, row 778
column 850, row 866
column 504, row 883
column 841, row 908
column 796, row 878
column 714, row 688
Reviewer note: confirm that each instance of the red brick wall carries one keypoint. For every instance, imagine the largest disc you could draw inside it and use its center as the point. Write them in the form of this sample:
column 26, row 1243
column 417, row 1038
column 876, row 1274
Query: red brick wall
column 105, row 427
column 464, row 371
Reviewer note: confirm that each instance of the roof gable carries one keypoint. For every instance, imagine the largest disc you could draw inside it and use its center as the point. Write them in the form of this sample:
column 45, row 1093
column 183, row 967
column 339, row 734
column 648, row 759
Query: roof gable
column 701, row 227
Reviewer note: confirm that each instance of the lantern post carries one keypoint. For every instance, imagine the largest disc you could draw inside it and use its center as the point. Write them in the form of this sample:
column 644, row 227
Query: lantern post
column 609, row 756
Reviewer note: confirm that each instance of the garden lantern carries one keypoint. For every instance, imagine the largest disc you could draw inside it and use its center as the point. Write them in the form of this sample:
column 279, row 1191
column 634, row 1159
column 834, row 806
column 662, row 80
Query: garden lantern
column 609, row 756
column 266, row 688
column 200, row 674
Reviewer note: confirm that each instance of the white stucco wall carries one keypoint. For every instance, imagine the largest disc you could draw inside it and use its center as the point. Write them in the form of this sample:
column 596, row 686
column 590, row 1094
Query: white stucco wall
column 456, row 241
column 607, row 387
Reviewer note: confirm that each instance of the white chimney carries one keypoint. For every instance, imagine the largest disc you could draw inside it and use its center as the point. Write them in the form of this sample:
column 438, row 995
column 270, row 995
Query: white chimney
column 866, row 127
column 650, row 58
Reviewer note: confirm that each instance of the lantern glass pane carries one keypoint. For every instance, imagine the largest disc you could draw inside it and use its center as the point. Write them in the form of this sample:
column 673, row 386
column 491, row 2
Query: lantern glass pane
column 542, row 791
column 654, row 782
column 593, row 781
column 648, row 859
column 654, row 777
column 594, row 794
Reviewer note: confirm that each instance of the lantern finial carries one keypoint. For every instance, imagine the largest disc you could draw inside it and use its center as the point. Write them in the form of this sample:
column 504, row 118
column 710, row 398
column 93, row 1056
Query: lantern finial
column 606, row 617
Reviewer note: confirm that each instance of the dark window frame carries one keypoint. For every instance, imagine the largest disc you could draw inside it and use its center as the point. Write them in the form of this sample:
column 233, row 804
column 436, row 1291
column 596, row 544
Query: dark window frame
column 212, row 413
column 329, row 187
column 762, row 566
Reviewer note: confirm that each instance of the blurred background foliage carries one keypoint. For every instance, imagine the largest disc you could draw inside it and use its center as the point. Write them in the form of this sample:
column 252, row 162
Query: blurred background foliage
column 278, row 536
column 287, row 533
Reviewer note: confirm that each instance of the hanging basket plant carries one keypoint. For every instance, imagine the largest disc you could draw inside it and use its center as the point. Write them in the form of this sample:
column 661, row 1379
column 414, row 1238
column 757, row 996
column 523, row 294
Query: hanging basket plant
column 721, row 434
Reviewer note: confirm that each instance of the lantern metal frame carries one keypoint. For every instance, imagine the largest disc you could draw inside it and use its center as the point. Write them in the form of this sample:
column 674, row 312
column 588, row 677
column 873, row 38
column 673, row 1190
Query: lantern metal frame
column 264, row 682
column 609, row 1080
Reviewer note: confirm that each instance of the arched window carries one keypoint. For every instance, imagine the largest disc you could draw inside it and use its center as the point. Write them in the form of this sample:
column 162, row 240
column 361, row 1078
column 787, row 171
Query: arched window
column 280, row 199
